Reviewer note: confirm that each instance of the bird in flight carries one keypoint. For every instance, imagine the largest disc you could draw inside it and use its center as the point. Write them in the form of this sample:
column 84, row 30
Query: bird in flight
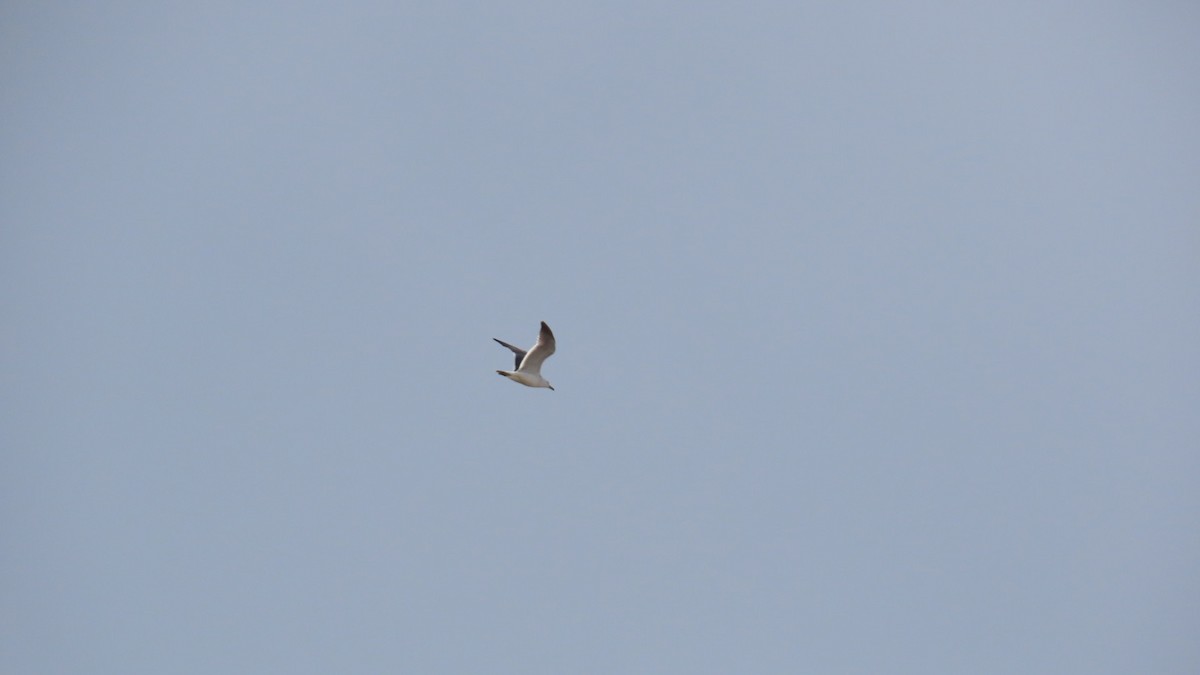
column 529, row 364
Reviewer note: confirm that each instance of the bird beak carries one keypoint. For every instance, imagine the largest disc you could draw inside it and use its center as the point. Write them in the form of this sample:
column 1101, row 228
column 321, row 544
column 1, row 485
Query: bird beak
column 551, row 388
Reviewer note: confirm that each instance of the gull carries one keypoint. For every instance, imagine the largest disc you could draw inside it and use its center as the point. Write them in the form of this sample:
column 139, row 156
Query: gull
column 529, row 364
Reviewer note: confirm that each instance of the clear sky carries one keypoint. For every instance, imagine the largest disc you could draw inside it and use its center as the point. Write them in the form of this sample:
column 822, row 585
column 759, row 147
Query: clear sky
column 877, row 337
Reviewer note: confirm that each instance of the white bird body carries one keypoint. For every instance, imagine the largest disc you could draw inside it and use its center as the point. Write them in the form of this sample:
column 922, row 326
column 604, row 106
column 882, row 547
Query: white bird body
column 527, row 379
column 529, row 364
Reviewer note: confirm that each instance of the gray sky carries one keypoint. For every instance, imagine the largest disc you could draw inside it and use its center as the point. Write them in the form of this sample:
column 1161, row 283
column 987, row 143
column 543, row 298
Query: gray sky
column 877, row 337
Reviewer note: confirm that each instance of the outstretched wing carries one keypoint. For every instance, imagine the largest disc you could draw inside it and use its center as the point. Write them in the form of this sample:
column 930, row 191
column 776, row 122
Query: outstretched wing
column 519, row 352
column 532, row 363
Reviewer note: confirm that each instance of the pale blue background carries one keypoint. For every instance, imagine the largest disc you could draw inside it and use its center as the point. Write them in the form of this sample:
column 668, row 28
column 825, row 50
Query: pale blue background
column 878, row 337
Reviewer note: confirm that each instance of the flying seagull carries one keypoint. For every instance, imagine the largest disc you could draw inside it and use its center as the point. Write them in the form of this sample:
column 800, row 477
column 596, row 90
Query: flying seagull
column 529, row 364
